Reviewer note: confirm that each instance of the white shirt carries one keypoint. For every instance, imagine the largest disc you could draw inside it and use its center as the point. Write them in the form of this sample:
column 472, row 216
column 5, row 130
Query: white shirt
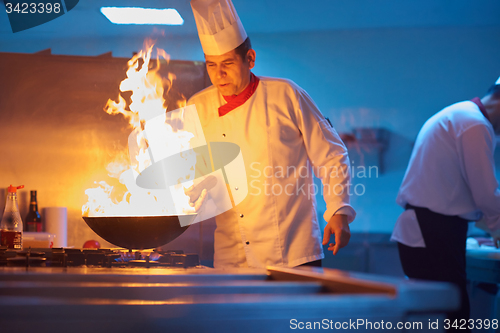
column 451, row 172
column 282, row 136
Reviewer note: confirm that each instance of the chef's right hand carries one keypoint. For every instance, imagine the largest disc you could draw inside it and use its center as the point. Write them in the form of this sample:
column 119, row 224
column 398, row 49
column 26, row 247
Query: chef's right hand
column 195, row 201
column 198, row 193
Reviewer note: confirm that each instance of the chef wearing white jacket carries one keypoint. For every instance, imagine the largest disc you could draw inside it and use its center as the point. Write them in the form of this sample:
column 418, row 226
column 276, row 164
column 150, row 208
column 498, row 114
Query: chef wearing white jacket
column 283, row 137
column 450, row 180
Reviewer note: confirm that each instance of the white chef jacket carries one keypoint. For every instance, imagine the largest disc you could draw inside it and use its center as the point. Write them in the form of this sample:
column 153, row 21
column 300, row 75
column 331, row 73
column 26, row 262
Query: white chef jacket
column 451, row 172
column 282, row 136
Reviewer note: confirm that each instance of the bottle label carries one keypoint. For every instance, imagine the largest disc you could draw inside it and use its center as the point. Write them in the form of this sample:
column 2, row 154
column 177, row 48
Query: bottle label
column 11, row 239
column 31, row 226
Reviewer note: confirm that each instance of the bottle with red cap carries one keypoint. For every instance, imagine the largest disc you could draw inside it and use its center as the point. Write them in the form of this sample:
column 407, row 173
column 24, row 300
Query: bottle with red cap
column 11, row 227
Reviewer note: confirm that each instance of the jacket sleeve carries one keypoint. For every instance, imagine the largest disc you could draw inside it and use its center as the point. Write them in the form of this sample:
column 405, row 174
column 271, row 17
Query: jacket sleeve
column 328, row 155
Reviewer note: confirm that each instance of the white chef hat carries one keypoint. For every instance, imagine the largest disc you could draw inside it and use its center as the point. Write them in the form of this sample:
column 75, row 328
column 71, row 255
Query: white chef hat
column 219, row 27
column 498, row 81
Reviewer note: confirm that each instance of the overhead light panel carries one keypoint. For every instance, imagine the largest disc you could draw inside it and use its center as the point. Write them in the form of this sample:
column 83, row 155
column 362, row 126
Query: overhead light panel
column 138, row 15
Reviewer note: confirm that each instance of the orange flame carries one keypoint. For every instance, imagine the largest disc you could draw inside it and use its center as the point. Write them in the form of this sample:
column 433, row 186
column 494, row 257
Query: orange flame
column 146, row 101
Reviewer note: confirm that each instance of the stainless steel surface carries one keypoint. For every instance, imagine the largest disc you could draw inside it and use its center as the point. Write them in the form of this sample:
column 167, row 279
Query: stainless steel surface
column 86, row 299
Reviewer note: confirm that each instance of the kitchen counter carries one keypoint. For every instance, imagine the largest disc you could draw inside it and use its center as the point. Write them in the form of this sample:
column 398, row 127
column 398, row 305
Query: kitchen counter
column 483, row 265
column 86, row 299
column 483, row 272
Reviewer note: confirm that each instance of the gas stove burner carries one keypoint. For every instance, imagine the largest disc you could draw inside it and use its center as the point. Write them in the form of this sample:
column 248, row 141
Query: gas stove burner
column 30, row 253
column 143, row 263
column 180, row 259
column 26, row 261
column 129, row 256
column 116, row 258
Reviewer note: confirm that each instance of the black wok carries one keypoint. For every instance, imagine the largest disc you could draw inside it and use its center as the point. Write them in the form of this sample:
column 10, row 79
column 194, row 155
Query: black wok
column 134, row 232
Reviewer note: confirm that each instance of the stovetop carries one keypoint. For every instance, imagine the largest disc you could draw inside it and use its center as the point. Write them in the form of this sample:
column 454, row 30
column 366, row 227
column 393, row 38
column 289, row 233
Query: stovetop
column 110, row 258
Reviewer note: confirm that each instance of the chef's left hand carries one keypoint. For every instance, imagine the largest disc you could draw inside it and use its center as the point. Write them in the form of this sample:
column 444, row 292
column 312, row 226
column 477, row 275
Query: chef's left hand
column 496, row 238
column 338, row 226
column 481, row 224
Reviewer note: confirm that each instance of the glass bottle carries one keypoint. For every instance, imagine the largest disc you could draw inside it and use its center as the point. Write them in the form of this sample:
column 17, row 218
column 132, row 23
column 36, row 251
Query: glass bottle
column 11, row 227
column 33, row 221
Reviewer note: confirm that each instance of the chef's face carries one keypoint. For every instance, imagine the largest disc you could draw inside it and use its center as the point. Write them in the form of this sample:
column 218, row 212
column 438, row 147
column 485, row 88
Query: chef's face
column 229, row 72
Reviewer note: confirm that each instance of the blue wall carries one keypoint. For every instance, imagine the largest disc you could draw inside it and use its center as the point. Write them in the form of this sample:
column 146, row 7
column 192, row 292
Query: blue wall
column 389, row 78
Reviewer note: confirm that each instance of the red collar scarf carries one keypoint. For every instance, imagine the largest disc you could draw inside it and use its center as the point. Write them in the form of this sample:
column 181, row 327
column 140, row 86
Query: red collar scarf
column 477, row 101
column 236, row 100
